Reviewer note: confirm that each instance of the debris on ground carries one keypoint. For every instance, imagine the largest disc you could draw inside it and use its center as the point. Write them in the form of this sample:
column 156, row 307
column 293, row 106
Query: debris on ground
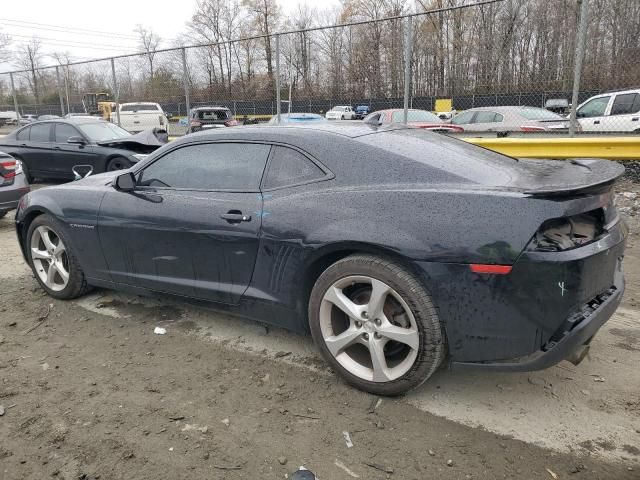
column 347, row 438
column 449, row 463
column 282, row 460
column 40, row 320
column 1, row 410
column 552, row 473
column 346, row 469
column 382, row 468
column 159, row 331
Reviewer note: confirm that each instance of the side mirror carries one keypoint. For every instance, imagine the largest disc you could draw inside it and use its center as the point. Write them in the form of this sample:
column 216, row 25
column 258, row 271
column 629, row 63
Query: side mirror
column 76, row 140
column 125, row 182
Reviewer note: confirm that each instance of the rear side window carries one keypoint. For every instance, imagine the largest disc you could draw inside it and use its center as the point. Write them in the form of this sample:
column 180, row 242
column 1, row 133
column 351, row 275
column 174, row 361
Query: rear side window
column 40, row 132
column 625, row 103
column 487, row 117
column 539, row 114
column 290, row 167
column 211, row 166
column 23, row 134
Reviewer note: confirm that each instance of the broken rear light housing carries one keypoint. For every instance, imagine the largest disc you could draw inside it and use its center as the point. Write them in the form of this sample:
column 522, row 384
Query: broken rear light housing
column 565, row 233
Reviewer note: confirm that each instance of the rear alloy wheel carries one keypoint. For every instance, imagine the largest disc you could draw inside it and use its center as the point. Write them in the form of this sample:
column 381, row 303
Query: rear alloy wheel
column 118, row 163
column 375, row 324
column 52, row 260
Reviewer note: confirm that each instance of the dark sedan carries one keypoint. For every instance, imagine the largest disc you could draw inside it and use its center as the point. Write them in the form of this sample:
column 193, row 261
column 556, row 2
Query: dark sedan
column 51, row 149
column 396, row 248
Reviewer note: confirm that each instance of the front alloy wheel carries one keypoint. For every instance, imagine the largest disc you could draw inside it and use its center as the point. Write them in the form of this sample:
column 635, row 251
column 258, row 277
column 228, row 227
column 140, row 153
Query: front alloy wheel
column 375, row 324
column 50, row 260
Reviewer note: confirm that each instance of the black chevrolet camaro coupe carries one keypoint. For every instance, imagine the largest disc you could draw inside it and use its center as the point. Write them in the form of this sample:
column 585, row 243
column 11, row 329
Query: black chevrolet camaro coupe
column 397, row 249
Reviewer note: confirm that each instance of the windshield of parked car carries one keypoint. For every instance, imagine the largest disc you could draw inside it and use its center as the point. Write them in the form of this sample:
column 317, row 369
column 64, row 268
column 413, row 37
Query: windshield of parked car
column 103, row 131
column 539, row 114
column 214, row 114
column 415, row 116
column 139, row 107
column 362, row 108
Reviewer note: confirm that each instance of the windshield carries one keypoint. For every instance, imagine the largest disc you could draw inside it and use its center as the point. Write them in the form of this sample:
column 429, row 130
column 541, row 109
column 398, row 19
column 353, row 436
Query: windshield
column 415, row 116
column 218, row 114
column 539, row 114
column 103, row 131
column 139, row 107
column 362, row 108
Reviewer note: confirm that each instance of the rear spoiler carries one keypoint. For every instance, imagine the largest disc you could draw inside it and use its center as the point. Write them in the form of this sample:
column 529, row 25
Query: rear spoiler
column 596, row 175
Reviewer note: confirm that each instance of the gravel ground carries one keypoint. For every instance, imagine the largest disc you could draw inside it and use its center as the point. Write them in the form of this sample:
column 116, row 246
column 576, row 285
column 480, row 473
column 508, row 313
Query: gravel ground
column 88, row 391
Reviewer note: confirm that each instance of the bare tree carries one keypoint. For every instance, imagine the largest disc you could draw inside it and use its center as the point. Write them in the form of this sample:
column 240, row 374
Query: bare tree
column 29, row 56
column 265, row 14
column 149, row 42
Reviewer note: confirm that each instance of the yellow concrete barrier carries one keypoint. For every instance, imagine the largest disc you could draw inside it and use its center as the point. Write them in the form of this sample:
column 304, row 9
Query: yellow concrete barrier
column 612, row 148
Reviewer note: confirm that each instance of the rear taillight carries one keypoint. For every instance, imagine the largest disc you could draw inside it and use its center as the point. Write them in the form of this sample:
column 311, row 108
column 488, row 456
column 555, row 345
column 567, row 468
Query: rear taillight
column 231, row 123
column 531, row 128
column 161, row 117
column 10, row 168
column 195, row 123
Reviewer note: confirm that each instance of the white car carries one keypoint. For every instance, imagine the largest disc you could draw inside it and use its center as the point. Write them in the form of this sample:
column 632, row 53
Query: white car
column 139, row 116
column 341, row 112
column 611, row 112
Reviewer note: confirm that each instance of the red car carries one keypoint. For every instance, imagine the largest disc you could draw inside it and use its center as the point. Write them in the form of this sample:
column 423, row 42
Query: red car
column 416, row 118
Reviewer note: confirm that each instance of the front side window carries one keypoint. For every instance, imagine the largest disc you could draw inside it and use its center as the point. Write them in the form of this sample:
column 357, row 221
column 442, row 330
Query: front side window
column 40, row 132
column 64, row 131
column 289, row 167
column 463, row 118
column 214, row 114
column 210, row 166
column 625, row 103
column 594, row 108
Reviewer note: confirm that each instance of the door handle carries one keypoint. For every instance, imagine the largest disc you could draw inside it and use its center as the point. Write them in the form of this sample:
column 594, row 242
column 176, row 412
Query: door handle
column 596, row 122
column 57, row 148
column 635, row 119
column 235, row 216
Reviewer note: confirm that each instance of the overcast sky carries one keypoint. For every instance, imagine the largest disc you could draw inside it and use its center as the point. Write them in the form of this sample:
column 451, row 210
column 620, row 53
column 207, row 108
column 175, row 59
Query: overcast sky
column 92, row 29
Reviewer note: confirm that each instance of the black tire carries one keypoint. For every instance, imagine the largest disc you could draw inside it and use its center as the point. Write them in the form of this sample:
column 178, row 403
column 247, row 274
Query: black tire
column 3, row 214
column 117, row 163
column 432, row 341
column 77, row 285
column 342, row 117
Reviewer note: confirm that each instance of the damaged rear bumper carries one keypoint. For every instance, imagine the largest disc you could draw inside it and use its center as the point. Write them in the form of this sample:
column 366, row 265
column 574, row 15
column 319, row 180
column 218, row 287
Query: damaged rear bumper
column 572, row 341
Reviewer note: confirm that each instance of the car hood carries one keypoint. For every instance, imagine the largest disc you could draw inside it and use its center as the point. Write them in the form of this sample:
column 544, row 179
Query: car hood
column 99, row 179
column 153, row 137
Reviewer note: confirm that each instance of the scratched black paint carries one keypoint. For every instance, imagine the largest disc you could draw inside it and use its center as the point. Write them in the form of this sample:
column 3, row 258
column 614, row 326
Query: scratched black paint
column 436, row 204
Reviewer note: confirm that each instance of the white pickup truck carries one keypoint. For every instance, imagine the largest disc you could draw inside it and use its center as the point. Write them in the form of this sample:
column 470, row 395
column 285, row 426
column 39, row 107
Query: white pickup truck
column 139, row 116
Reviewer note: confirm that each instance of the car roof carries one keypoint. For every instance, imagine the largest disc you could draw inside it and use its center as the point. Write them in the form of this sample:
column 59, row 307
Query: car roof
column 70, row 121
column 304, row 130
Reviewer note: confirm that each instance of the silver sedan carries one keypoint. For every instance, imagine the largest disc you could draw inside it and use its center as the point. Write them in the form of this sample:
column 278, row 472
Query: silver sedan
column 510, row 119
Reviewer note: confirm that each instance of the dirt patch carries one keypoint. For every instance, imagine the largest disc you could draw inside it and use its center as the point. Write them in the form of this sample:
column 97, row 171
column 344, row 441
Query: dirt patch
column 117, row 401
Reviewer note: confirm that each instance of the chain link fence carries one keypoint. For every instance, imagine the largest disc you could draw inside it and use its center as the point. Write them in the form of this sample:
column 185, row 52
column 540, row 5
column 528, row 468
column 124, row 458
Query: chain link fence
column 472, row 67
